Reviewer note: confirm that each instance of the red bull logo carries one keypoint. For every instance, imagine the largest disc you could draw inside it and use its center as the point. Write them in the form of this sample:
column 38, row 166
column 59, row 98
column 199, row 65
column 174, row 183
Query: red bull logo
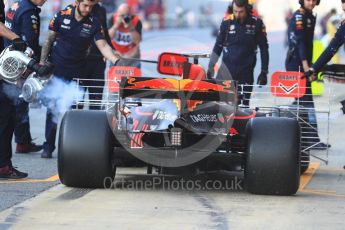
column 190, row 85
column 163, row 84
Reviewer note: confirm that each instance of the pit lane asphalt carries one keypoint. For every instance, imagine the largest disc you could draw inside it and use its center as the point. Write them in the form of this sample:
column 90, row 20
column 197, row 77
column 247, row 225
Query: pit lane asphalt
column 318, row 205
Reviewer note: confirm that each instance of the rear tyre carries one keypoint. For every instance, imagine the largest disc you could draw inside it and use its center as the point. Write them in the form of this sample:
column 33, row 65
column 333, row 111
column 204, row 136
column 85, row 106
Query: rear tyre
column 85, row 150
column 273, row 156
column 302, row 117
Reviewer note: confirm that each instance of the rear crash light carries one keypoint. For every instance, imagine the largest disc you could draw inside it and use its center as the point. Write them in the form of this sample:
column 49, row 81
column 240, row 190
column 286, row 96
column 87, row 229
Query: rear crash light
column 176, row 137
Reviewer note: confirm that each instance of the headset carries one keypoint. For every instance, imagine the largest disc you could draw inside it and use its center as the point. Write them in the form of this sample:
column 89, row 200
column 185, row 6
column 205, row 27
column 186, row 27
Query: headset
column 301, row 2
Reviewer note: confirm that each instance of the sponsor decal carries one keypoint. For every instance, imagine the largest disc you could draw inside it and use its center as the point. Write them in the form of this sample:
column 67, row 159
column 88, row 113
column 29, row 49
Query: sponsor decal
column 288, row 84
column 85, row 31
column 166, row 84
column 66, row 27
column 66, row 21
column 191, row 85
column 8, row 24
column 250, row 31
column 233, row 132
column 172, row 64
column 116, row 72
column 86, row 25
column 204, row 118
column 124, row 72
column 10, row 15
column 163, row 115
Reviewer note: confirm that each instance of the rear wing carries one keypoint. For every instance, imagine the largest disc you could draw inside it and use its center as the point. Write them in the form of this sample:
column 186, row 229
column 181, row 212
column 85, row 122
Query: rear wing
column 184, row 89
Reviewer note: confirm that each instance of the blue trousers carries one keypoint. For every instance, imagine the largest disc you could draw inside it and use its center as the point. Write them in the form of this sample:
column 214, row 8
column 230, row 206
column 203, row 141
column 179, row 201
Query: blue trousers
column 7, row 122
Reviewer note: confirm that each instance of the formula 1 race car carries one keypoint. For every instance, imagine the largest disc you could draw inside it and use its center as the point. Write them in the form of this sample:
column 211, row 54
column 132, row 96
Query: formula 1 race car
column 178, row 123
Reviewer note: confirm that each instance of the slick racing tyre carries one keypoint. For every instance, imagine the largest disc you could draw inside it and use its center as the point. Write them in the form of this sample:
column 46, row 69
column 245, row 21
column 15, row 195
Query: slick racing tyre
column 85, row 150
column 301, row 115
column 272, row 156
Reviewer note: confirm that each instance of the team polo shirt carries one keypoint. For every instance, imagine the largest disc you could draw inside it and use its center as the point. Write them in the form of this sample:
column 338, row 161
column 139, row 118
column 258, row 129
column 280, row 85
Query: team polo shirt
column 72, row 42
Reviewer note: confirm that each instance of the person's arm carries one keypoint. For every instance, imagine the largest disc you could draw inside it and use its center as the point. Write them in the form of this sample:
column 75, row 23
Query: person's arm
column 47, row 46
column 5, row 32
column 106, row 50
column 53, row 30
column 263, row 45
column 30, row 31
column 331, row 49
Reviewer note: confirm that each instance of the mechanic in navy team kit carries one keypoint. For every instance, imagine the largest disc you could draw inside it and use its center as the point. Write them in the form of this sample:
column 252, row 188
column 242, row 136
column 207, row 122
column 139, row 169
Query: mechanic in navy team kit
column 7, row 116
column 239, row 36
column 71, row 33
column 331, row 50
column 126, row 34
column 23, row 19
column 299, row 57
column 95, row 63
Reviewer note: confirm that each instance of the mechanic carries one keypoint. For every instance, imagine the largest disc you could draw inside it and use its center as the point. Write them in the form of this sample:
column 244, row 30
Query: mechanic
column 95, row 63
column 330, row 51
column 23, row 19
column 126, row 34
column 238, row 38
column 299, row 58
column 71, row 31
column 7, row 116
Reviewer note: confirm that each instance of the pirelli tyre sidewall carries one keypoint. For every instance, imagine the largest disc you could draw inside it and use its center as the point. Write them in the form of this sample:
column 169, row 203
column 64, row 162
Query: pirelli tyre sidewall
column 273, row 156
column 85, row 149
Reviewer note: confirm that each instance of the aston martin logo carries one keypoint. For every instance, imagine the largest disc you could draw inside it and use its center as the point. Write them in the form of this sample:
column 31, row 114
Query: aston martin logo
column 288, row 90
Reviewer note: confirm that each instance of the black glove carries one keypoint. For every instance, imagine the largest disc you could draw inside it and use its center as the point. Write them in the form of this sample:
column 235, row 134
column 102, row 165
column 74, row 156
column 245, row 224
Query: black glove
column 45, row 70
column 309, row 73
column 343, row 106
column 262, row 78
column 19, row 44
column 210, row 72
column 41, row 70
